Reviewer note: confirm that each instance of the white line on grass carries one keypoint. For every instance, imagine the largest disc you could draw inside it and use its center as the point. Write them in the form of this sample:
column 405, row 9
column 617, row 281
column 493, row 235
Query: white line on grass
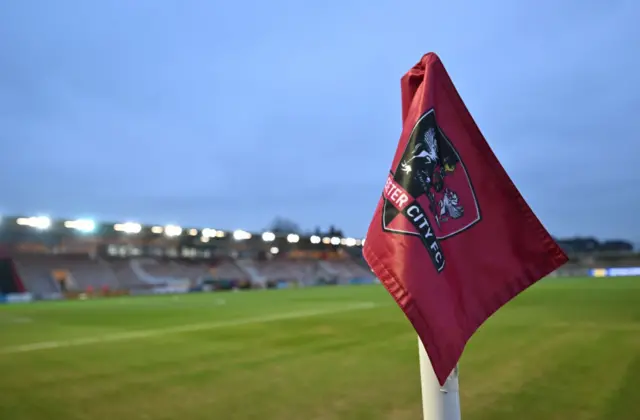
column 132, row 335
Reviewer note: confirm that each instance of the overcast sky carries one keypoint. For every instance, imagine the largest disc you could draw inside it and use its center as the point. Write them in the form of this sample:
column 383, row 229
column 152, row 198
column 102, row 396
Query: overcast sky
column 226, row 114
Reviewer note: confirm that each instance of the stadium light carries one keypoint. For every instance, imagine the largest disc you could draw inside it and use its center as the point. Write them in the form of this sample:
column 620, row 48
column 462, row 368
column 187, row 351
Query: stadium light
column 326, row 240
column 193, row 232
column 204, row 239
column 349, row 241
column 209, row 233
column 212, row 233
column 128, row 227
column 293, row 238
column 363, row 241
column 172, row 230
column 83, row 225
column 157, row 229
column 274, row 250
column 315, row 239
column 335, row 241
column 40, row 222
column 241, row 235
column 358, row 242
column 268, row 236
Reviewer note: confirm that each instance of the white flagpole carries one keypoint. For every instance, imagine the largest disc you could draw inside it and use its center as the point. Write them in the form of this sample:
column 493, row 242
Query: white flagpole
column 438, row 403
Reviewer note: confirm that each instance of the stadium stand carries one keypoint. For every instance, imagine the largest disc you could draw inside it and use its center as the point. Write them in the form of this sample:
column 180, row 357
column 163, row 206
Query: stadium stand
column 253, row 271
column 36, row 277
column 284, row 270
column 346, row 271
column 44, row 273
column 53, row 258
column 194, row 272
column 227, row 269
column 127, row 278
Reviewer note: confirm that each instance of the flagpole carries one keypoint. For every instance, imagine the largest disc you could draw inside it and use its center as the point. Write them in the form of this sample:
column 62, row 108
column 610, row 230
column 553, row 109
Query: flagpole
column 438, row 403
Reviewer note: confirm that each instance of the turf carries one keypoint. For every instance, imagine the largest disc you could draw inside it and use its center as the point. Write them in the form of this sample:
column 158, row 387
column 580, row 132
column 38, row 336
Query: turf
column 565, row 349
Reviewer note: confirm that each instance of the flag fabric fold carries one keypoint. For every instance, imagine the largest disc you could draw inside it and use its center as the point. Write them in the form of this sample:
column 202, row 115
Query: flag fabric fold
column 451, row 239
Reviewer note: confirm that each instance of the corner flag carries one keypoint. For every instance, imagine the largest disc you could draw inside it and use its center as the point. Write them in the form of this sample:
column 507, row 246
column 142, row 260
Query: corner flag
column 451, row 239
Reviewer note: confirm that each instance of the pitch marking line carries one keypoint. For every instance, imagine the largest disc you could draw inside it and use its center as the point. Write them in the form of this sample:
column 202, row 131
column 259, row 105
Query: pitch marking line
column 133, row 335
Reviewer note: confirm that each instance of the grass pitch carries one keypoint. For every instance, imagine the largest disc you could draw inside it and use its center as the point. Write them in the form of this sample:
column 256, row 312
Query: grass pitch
column 565, row 349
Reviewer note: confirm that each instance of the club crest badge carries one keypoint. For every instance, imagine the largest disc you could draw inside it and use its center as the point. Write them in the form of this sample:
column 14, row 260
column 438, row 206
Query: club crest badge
column 429, row 194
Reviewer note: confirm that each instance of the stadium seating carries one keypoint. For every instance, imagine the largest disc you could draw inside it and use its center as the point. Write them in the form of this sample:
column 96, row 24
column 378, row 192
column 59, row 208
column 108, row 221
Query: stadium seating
column 127, row 277
column 54, row 257
column 36, row 276
column 44, row 274
column 51, row 274
column 228, row 270
column 253, row 271
column 166, row 272
column 305, row 271
column 148, row 273
column 193, row 272
column 79, row 273
column 159, row 271
column 301, row 271
column 345, row 270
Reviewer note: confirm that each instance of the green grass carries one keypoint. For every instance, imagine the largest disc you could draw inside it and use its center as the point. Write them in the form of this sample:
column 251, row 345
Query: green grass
column 565, row 349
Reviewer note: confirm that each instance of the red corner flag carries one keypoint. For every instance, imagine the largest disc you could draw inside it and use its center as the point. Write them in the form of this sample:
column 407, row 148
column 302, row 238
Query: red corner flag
column 452, row 239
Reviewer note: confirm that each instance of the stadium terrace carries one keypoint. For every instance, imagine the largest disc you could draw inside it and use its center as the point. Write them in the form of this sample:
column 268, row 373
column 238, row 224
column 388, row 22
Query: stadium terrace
column 52, row 259
column 43, row 258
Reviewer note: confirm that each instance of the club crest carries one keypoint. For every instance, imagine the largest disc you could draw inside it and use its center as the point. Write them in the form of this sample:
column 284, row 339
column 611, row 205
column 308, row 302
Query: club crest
column 429, row 194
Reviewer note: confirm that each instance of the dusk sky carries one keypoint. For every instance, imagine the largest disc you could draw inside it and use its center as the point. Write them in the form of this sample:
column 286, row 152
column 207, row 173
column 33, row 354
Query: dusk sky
column 227, row 114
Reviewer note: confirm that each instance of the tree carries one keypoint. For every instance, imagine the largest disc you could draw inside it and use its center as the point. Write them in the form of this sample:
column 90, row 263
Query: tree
column 283, row 225
column 334, row 231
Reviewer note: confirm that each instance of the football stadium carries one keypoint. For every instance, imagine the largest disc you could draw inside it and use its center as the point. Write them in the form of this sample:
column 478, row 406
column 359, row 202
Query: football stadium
column 144, row 145
column 130, row 321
